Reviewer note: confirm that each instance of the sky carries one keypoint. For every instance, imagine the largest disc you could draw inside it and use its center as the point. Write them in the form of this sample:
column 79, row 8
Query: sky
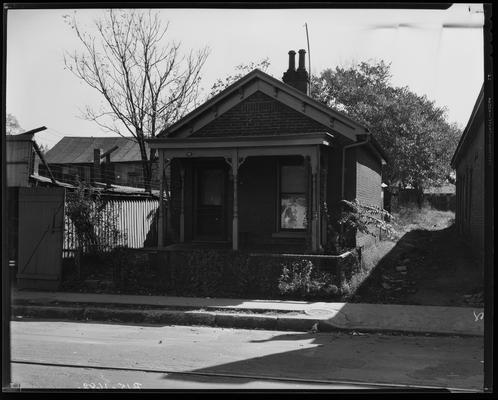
column 437, row 53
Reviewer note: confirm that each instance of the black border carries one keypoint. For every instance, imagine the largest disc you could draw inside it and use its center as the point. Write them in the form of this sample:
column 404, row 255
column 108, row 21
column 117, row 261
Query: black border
column 489, row 147
column 488, row 198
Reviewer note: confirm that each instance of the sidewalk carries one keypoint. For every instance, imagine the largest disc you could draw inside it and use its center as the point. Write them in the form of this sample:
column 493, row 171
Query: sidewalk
column 250, row 314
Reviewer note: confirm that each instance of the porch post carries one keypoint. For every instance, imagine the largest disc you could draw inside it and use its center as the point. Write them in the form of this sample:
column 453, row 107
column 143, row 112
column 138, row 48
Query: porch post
column 182, row 207
column 167, row 186
column 235, row 162
column 160, row 220
column 324, row 200
column 315, row 203
column 235, row 223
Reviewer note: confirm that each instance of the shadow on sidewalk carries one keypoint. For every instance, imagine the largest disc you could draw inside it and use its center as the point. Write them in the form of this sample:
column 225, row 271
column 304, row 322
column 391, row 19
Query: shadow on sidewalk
column 390, row 362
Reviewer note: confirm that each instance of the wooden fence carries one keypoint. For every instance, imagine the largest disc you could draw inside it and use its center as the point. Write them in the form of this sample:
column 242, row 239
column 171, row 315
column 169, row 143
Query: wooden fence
column 134, row 218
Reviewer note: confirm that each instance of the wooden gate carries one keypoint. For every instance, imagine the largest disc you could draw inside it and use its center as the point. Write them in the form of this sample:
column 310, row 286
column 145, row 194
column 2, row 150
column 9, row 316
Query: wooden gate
column 41, row 228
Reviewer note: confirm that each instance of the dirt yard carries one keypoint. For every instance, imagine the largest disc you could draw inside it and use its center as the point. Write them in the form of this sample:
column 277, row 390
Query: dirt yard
column 428, row 265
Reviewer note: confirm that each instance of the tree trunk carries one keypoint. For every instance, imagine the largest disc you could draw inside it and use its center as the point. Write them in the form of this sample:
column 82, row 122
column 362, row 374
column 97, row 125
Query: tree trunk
column 146, row 170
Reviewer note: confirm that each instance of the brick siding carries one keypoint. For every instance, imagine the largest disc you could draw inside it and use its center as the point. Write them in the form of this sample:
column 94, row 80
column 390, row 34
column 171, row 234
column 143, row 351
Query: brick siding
column 259, row 114
column 368, row 187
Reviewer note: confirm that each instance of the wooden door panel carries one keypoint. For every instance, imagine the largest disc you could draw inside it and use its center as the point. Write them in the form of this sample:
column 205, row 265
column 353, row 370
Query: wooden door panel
column 41, row 229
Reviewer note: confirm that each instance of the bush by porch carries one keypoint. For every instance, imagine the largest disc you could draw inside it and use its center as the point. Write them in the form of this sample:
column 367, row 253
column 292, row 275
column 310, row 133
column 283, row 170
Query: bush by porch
column 217, row 273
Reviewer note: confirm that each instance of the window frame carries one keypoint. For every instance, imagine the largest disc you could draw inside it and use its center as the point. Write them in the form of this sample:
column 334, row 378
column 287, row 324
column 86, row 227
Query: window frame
column 280, row 165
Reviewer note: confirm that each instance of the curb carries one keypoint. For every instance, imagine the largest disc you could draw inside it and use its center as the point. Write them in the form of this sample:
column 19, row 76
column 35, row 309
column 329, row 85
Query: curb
column 204, row 318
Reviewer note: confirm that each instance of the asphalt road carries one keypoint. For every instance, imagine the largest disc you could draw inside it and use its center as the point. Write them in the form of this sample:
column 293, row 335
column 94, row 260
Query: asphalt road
column 49, row 354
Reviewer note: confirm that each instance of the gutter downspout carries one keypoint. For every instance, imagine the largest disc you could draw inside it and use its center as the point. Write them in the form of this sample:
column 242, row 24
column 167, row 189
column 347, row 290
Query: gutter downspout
column 367, row 140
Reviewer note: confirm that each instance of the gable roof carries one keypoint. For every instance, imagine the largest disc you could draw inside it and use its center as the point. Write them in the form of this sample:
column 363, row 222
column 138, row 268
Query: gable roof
column 79, row 150
column 255, row 81
column 471, row 128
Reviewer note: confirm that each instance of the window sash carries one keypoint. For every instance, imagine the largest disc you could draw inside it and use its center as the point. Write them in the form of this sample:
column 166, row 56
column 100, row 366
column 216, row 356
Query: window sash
column 292, row 199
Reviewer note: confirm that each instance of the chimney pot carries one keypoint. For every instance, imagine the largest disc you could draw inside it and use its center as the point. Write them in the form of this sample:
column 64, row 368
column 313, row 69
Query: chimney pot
column 302, row 53
column 297, row 78
column 292, row 60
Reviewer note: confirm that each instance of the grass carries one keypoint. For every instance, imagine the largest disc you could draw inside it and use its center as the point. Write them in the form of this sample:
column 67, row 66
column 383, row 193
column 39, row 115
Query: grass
column 427, row 264
column 406, row 219
column 427, row 218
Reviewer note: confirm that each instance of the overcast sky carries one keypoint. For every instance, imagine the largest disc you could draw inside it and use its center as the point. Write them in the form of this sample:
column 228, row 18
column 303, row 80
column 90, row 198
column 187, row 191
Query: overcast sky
column 438, row 53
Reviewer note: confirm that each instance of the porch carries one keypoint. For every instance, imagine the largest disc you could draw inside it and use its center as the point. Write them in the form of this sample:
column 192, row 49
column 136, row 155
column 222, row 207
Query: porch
column 258, row 193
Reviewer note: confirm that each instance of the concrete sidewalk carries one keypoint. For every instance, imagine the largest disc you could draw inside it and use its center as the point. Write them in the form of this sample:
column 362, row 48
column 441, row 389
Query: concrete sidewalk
column 257, row 314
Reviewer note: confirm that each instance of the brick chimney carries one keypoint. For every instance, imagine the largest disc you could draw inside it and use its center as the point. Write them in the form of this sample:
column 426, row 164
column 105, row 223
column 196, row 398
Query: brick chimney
column 297, row 78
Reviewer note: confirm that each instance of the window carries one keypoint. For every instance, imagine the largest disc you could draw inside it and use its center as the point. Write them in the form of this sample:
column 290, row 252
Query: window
column 293, row 205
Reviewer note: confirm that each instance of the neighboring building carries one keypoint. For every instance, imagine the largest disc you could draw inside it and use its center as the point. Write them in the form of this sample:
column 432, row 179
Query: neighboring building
column 23, row 159
column 468, row 161
column 75, row 156
column 258, row 164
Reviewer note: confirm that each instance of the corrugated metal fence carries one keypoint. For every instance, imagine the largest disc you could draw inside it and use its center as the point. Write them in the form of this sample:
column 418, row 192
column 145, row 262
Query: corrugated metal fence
column 134, row 218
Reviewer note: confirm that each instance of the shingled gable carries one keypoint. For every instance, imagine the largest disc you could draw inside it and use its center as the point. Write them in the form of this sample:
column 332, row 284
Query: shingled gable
column 255, row 87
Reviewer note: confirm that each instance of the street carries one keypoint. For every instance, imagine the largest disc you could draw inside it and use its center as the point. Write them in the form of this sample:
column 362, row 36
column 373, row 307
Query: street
column 51, row 354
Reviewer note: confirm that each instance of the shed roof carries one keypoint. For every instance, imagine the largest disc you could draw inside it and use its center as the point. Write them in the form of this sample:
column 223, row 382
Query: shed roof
column 79, row 150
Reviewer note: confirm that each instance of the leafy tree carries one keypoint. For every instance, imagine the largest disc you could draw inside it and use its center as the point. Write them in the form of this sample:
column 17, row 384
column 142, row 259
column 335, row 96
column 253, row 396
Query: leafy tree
column 412, row 129
column 146, row 84
column 12, row 125
column 43, row 148
column 240, row 71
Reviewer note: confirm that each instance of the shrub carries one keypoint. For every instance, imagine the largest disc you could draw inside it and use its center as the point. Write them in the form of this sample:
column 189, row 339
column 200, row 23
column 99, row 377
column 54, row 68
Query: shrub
column 302, row 279
column 95, row 224
column 351, row 217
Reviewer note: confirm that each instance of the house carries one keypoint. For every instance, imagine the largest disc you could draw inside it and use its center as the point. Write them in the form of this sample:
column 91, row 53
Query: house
column 259, row 165
column 75, row 156
column 469, row 163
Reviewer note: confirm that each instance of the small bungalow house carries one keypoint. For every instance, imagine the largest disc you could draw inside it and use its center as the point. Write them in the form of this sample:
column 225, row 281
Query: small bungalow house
column 469, row 163
column 259, row 165
column 75, row 156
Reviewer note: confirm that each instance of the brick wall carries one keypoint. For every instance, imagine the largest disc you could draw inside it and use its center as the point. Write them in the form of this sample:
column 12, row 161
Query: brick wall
column 368, row 187
column 259, row 114
column 368, row 178
column 470, row 193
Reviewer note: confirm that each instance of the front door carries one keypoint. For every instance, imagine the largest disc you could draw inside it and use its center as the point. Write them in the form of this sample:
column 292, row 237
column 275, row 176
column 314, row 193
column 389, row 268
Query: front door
column 210, row 221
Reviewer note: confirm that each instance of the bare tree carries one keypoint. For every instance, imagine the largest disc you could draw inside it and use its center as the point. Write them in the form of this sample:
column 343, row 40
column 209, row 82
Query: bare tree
column 145, row 82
